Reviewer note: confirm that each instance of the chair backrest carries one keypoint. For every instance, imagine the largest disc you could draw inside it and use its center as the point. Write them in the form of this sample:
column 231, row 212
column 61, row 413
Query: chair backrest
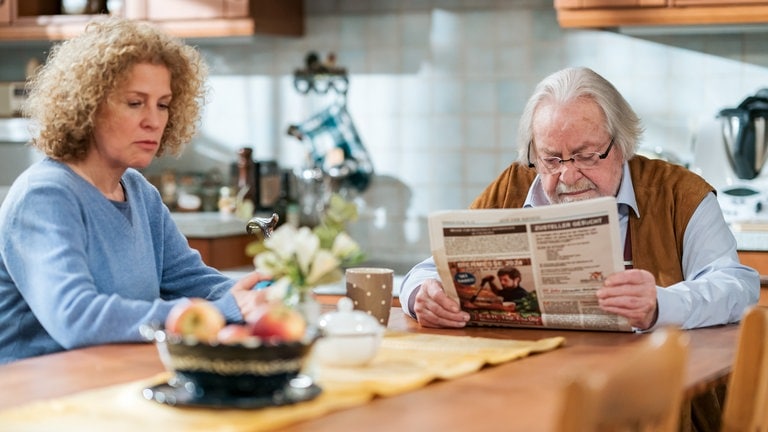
column 645, row 393
column 746, row 400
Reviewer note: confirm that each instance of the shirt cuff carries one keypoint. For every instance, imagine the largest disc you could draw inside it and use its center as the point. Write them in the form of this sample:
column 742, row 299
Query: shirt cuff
column 412, row 301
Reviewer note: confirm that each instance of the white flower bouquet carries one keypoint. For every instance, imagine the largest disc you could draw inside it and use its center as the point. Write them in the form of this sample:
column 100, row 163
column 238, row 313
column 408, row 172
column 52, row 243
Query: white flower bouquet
column 301, row 258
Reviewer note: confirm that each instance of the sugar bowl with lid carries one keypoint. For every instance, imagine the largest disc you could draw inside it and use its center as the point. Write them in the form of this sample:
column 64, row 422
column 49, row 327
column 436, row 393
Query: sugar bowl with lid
column 348, row 337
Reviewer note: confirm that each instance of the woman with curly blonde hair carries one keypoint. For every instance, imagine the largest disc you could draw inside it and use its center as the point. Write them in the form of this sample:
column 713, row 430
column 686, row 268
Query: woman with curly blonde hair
column 88, row 251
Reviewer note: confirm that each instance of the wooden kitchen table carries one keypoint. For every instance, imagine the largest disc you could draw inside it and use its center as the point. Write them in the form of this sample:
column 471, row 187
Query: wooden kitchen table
column 520, row 395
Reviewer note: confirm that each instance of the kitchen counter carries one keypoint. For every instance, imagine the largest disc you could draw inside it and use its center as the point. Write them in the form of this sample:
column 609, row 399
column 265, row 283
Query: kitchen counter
column 217, row 235
column 752, row 244
column 208, row 224
column 221, row 239
column 214, row 224
column 751, row 237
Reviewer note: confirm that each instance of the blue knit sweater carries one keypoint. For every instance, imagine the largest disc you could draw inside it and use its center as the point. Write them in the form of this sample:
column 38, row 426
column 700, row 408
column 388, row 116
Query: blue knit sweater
column 77, row 269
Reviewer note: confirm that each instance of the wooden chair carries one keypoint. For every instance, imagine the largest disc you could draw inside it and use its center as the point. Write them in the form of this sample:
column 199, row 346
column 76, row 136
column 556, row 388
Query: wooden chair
column 746, row 400
column 645, row 393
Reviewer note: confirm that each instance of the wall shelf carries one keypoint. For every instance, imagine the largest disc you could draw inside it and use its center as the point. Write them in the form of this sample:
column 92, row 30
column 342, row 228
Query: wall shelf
column 263, row 17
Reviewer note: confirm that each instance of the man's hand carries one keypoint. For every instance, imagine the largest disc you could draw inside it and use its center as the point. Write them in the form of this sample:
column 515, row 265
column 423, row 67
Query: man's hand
column 631, row 294
column 434, row 308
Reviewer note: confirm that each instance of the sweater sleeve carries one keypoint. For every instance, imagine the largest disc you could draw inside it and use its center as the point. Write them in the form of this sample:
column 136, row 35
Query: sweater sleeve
column 181, row 270
column 184, row 274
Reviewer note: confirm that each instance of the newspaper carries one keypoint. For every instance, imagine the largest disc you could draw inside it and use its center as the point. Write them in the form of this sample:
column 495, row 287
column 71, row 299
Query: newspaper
column 561, row 253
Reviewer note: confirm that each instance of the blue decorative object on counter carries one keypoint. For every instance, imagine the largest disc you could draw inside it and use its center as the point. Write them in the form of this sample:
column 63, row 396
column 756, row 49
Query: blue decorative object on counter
column 263, row 284
column 335, row 147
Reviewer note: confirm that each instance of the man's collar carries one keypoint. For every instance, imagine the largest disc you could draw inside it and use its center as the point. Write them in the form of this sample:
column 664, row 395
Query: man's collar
column 626, row 195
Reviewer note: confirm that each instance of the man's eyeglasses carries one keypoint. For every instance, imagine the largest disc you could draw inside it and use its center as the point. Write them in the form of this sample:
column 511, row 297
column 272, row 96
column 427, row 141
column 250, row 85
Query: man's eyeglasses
column 584, row 160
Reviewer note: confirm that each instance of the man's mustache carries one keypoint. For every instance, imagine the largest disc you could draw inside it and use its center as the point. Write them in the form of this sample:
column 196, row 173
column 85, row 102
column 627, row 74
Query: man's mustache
column 582, row 185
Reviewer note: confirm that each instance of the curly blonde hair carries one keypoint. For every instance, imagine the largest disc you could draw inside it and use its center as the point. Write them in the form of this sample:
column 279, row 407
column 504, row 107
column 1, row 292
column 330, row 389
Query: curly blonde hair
column 80, row 74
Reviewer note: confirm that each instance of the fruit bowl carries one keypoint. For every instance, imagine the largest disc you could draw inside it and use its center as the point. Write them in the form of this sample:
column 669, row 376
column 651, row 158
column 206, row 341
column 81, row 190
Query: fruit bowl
column 249, row 369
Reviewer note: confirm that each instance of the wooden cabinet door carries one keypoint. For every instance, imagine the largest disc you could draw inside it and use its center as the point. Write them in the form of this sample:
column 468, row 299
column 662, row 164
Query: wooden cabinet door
column 236, row 8
column 196, row 9
column 718, row 2
column 223, row 252
column 758, row 260
column 5, row 12
column 607, row 4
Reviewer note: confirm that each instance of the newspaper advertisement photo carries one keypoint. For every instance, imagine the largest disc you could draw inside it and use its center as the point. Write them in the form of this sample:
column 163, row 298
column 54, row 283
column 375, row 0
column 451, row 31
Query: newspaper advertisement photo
column 532, row 266
column 492, row 291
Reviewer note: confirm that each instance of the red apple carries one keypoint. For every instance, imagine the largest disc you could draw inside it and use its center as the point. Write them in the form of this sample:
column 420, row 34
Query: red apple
column 195, row 317
column 234, row 333
column 277, row 322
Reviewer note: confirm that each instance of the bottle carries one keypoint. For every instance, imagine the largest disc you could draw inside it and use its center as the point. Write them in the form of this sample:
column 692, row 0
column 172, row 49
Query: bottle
column 287, row 205
column 227, row 203
column 268, row 184
column 169, row 188
column 246, row 178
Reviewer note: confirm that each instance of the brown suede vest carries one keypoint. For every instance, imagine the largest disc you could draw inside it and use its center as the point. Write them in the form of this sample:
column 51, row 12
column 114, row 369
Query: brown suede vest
column 667, row 195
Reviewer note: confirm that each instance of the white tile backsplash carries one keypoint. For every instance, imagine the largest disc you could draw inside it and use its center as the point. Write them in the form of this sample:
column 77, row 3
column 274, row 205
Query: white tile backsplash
column 480, row 132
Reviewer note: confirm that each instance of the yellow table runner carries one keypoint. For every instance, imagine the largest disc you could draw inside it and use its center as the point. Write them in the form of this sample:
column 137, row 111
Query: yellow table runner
column 406, row 361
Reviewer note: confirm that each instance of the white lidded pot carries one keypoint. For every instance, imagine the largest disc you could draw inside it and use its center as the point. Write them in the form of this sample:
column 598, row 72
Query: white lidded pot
column 349, row 337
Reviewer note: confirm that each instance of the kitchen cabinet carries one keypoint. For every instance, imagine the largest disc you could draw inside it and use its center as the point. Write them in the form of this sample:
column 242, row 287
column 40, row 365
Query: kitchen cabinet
column 185, row 9
column 758, row 260
column 221, row 239
column 5, row 12
column 225, row 252
column 625, row 13
column 716, row 2
column 586, row 4
column 42, row 19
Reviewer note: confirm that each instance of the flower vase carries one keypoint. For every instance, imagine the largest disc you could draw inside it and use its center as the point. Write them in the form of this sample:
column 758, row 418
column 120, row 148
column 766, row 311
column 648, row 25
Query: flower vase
column 305, row 302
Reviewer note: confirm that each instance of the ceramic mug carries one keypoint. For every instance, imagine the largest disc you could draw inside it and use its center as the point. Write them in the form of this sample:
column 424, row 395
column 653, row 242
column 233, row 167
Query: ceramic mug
column 370, row 289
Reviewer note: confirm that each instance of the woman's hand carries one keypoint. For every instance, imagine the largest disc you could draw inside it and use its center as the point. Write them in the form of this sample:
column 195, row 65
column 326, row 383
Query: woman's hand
column 433, row 308
column 246, row 297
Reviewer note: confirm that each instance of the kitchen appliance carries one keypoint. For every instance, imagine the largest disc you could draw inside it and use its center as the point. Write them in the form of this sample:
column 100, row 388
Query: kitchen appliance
column 741, row 203
column 745, row 134
column 12, row 96
column 15, row 152
column 739, row 136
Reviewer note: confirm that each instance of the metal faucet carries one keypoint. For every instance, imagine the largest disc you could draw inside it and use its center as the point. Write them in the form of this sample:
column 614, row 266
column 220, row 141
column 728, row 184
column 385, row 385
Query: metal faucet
column 265, row 225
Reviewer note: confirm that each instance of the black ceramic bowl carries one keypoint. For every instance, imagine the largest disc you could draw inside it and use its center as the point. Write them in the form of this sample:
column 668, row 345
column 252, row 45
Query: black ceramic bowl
column 253, row 369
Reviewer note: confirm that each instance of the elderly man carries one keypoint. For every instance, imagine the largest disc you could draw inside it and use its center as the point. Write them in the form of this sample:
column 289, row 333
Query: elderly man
column 577, row 140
